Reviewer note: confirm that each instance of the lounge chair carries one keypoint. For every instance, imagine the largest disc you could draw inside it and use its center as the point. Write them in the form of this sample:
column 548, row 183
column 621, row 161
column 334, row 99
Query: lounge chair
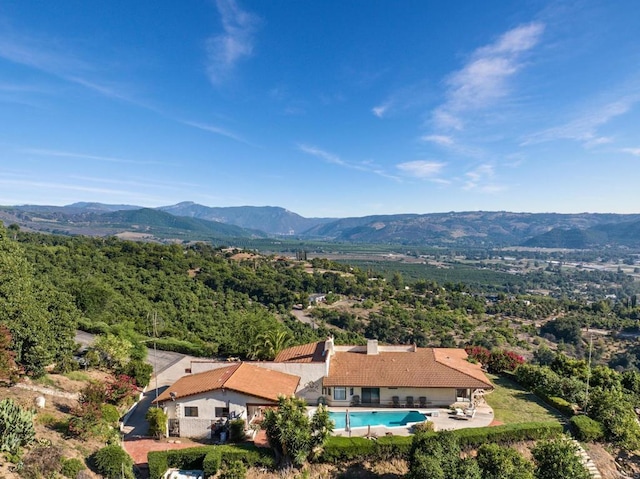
column 355, row 400
column 410, row 402
column 422, row 400
column 396, row 401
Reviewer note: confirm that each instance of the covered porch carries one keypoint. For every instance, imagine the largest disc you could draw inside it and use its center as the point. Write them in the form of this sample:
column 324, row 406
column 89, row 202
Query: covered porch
column 397, row 397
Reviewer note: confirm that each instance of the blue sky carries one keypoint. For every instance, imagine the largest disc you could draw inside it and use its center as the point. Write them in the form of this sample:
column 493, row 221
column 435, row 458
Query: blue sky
column 326, row 108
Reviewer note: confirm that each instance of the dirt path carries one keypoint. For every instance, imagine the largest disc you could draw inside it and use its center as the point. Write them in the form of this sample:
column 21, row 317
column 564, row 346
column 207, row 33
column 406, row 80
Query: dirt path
column 47, row 391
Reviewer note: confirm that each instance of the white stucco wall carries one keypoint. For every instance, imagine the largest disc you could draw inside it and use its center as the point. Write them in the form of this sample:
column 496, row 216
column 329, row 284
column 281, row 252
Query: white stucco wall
column 207, row 403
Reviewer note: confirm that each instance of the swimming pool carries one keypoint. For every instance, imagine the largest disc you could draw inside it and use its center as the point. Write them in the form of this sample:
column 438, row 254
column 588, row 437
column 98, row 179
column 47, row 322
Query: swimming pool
column 376, row 418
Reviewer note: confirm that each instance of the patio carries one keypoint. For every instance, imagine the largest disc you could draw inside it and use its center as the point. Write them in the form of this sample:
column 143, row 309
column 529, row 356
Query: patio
column 442, row 418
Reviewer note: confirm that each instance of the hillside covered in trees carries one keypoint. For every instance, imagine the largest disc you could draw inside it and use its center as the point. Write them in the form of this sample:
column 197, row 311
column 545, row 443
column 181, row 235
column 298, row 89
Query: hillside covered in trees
column 223, row 302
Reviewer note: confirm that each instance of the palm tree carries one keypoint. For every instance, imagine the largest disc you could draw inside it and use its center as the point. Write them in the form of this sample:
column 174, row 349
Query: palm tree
column 267, row 345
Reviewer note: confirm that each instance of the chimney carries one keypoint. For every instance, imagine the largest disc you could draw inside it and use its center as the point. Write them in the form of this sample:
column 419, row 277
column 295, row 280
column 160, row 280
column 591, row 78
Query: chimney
column 372, row 347
column 328, row 346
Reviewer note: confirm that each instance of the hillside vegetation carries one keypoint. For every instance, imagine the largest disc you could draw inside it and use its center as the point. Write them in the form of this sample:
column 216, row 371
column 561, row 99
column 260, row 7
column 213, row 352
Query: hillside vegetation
column 222, row 302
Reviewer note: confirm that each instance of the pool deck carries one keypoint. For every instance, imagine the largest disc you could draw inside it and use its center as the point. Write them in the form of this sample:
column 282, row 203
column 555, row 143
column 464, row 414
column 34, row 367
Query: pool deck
column 444, row 420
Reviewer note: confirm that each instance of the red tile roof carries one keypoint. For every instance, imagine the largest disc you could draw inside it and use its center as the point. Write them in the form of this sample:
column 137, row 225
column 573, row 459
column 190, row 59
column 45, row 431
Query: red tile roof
column 424, row 368
column 304, row 353
column 242, row 377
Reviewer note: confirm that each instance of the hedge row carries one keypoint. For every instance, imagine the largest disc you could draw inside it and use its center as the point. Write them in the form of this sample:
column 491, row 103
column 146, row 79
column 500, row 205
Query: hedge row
column 562, row 405
column 208, row 458
column 586, row 429
column 508, row 433
column 339, row 449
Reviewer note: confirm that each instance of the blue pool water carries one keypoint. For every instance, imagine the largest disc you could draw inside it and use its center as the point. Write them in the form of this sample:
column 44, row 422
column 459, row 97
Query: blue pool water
column 376, row 418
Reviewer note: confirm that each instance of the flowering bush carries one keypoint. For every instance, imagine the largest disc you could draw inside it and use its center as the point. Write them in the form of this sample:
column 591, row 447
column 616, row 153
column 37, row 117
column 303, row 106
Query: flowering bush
column 501, row 361
column 479, row 353
column 121, row 390
column 496, row 361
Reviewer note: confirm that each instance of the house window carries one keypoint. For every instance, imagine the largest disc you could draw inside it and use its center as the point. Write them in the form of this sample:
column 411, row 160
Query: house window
column 462, row 394
column 190, row 411
column 340, row 393
column 351, row 392
column 222, row 412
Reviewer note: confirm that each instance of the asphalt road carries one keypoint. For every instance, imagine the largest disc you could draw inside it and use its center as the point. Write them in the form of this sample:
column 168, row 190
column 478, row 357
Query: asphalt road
column 160, row 360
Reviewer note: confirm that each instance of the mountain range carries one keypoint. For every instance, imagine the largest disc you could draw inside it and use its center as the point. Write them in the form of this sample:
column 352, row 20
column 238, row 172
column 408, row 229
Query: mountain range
column 192, row 221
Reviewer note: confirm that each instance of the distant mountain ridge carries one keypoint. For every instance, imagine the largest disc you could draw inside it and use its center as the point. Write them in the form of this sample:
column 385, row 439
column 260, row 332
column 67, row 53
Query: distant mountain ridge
column 620, row 234
column 488, row 228
column 270, row 219
column 188, row 220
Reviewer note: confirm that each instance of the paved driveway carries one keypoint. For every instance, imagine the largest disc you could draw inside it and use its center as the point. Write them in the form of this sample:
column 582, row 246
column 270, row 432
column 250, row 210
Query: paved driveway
column 136, row 425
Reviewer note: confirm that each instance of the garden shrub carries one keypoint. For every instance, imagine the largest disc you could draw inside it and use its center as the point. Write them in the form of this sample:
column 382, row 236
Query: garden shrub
column 208, row 458
column 236, row 430
column 508, row 433
column 212, row 462
column 586, row 429
column 139, row 370
column 340, row 449
column 562, row 405
column 423, row 426
column 247, row 453
column 110, row 414
column 157, row 420
column 113, row 461
column 234, row 470
column 389, row 447
column 190, row 458
column 158, row 462
column 71, row 467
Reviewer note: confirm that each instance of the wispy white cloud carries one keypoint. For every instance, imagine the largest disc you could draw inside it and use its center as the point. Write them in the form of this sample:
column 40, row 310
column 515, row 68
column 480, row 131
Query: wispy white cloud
column 380, row 110
column 442, row 140
column 411, row 96
column 631, row 151
column 57, row 60
column 83, row 156
column 61, row 186
column 323, row 155
column 484, row 80
column 236, row 42
column 214, row 129
column 421, row 169
column 584, row 128
column 333, row 159
column 138, row 183
column 481, row 179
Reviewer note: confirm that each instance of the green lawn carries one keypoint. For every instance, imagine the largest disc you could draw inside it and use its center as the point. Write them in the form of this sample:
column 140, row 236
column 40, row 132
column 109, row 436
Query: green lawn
column 512, row 404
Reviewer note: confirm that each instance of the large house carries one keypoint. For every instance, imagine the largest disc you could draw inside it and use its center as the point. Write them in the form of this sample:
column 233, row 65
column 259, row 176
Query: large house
column 376, row 375
column 322, row 373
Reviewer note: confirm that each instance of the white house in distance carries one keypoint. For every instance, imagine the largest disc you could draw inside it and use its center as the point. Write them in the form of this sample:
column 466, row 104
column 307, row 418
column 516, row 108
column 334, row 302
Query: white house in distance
column 322, row 373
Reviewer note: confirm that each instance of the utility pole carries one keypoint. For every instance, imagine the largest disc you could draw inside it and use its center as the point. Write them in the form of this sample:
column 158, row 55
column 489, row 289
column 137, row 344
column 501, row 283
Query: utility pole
column 155, row 352
column 586, row 396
